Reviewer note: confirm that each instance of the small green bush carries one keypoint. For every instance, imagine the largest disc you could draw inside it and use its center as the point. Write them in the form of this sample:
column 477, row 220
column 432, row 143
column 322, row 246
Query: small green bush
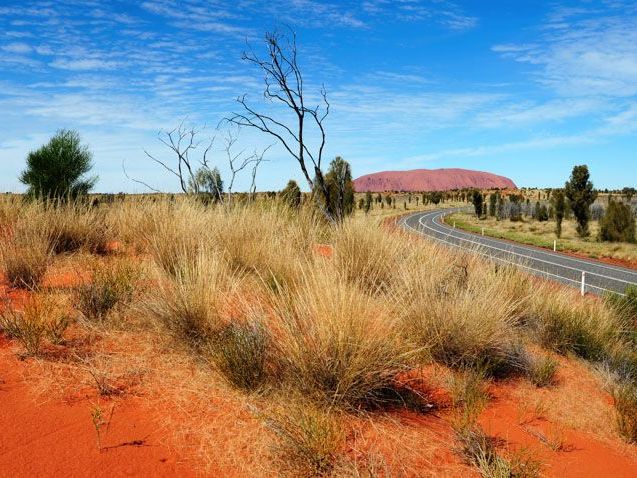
column 58, row 169
column 618, row 224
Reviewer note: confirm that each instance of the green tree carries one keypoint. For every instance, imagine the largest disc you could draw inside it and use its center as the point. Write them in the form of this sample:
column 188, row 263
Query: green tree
column 58, row 169
column 493, row 203
column 580, row 193
column 477, row 199
column 291, row 194
column 435, row 197
column 618, row 224
column 368, row 202
column 629, row 193
column 339, row 184
column 207, row 182
column 559, row 207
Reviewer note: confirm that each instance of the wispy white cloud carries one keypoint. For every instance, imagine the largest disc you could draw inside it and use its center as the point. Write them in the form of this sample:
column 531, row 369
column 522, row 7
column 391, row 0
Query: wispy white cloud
column 584, row 51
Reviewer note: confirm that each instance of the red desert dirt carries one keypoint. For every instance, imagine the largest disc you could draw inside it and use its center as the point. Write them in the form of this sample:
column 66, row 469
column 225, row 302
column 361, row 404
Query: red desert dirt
column 431, row 180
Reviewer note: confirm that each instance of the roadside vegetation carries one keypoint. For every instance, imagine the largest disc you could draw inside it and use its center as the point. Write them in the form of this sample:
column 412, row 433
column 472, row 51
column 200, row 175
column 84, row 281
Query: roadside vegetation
column 579, row 218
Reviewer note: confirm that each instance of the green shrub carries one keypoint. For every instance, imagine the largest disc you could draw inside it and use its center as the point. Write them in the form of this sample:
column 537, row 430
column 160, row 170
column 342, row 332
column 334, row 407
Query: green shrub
column 618, row 224
column 58, row 169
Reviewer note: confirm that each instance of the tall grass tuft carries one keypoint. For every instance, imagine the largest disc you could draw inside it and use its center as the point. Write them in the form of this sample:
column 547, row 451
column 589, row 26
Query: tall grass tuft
column 309, row 439
column 586, row 328
column 42, row 317
column 109, row 286
column 240, row 352
column 335, row 343
column 463, row 319
column 368, row 257
column 624, row 394
column 68, row 227
column 192, row 302
column 25, row 263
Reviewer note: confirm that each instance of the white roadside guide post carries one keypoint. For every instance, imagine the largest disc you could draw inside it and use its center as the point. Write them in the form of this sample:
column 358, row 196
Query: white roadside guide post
column 483, row 231
column 555, row 246
column 583, row 291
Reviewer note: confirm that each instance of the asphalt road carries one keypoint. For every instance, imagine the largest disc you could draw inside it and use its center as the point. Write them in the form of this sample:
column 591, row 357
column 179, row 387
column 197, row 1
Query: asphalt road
column 599, row 277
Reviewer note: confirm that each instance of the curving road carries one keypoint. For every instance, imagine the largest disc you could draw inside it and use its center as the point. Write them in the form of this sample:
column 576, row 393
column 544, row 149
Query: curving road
column 599, row 277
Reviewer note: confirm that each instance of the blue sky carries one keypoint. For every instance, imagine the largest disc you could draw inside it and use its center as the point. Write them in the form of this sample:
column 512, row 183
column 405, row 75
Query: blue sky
column 526, row 89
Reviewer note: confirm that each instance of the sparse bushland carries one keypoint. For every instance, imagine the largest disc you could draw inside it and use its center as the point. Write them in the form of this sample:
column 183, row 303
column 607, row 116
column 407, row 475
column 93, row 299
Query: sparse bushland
column 42, row 317
column 316, row 342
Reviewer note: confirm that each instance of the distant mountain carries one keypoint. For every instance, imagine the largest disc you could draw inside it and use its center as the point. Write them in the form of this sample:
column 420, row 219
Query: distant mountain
column 431, row 180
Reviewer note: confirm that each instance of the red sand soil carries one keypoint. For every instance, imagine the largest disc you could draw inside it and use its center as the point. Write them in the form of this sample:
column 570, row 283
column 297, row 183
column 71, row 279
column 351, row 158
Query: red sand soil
column 58, row 439
column 581, row 454
column 323, row 250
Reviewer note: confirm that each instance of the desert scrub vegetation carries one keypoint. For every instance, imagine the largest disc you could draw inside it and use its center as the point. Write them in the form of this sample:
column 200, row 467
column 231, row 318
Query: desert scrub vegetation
column 24, row 262
column 240, row 292
column 42, row 317
column 110, row 284
column 66, row 226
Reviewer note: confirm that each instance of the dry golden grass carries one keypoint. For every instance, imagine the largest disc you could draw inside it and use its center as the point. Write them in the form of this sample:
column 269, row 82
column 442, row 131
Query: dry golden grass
column 252, row 341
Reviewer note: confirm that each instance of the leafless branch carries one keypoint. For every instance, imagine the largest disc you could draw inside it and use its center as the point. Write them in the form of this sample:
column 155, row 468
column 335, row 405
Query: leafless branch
column 284, row 85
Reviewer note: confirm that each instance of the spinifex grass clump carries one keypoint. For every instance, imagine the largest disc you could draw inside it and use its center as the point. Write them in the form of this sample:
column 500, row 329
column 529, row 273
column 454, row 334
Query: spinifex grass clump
column 109, row 286
column 42, row 317
column 586, row 328
column 240, row 351
column 193, row 300
column 336, row 343
column 366, row 256
column 462, row 318
column 24, row 263
column 309, row 439
column 67, row 226
column 625, row 396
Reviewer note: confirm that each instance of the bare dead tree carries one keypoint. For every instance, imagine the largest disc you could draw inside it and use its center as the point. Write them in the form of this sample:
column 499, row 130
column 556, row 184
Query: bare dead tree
column 238, row 161
column 284, row 86
column 182, row 142
column 255, row 167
